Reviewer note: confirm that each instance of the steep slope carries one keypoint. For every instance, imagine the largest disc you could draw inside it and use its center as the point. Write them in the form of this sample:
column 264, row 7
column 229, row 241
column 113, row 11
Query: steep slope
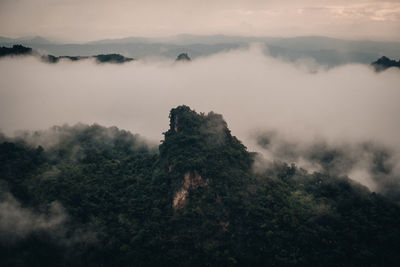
column 197, row 147
column 19, row 50
column 94, row 196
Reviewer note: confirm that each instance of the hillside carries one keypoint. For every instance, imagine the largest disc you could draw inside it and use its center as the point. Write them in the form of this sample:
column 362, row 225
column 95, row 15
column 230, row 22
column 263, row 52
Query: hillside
column 325, row 51
column 95, row 196
column 15, row 50
column 384, row 63
column 20, row 50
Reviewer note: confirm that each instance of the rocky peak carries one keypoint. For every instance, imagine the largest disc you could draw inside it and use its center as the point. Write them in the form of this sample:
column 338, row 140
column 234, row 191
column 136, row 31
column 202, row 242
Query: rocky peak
column 183, row 57
column 384, row 63
column 196, row 148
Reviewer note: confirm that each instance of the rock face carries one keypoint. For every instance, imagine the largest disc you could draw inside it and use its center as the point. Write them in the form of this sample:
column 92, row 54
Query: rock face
column 195, row 150
column 191, row 181
column 103, row 58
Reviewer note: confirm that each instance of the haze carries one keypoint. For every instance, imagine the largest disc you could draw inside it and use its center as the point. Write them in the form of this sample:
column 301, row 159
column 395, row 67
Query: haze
column 255, row 93
column 73, row 20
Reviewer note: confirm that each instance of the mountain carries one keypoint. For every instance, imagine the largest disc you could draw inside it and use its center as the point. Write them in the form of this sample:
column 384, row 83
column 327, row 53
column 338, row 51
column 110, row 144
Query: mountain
column 103, row 58
column 187, row 39
column 327, row 52
column 384, row 63
column 15, row 50
column 35, row 40
column 183, row 57
column 19, row 50
column 95, row 196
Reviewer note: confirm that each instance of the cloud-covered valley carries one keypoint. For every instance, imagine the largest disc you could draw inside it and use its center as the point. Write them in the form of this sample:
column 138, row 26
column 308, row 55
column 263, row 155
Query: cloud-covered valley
column 343, row 108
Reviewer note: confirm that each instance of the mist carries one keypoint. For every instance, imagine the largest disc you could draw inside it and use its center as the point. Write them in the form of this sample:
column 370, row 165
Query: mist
column 18, row 222
column 347, row 106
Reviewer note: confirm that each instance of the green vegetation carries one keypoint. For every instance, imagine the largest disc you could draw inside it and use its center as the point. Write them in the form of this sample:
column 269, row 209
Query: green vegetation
column 15, row 50
column 183, row 57
column 103, row 58
column 19, row 50
column 96, row 196
column 384, row 63
column 113, row 58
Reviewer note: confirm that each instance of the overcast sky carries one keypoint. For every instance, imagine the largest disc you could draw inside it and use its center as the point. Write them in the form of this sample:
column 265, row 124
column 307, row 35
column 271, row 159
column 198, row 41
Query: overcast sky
column 84, row 20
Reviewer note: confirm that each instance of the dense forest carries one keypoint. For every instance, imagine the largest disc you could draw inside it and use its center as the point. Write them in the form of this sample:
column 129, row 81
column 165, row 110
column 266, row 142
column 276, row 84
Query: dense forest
column 94, row 196
column 15, row 50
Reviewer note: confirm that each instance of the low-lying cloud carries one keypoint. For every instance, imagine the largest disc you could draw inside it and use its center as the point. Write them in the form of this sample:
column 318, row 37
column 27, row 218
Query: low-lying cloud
column 346, row 107
column 18, row 222
column 371, row 164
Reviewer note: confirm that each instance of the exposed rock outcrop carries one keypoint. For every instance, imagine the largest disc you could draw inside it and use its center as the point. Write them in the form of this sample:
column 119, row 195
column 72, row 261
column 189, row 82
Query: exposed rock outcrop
column 195, row 150
column 192, row 180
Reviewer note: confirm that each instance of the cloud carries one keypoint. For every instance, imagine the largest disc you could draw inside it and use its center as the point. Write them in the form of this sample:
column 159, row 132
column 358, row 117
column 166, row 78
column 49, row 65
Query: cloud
column 96, row 19
column 345, row 106
column 18, row 222
column 369, row 163
column 375, row 11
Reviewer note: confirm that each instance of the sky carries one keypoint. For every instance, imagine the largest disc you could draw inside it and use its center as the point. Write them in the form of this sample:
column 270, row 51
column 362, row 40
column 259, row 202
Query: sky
column 87, row 20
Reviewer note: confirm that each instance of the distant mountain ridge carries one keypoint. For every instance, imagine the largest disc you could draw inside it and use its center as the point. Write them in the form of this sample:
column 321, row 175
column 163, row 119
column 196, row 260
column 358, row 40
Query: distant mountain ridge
column 26, row 40
column 20, row 50
column 381, row 64
column 329, row 52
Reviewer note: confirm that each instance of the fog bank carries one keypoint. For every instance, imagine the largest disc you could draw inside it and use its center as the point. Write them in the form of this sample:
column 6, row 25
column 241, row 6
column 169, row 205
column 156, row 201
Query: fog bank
column 255, row 94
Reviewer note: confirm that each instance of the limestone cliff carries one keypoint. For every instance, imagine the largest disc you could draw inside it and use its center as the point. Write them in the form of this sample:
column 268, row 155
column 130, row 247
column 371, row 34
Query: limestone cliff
column 196, row 148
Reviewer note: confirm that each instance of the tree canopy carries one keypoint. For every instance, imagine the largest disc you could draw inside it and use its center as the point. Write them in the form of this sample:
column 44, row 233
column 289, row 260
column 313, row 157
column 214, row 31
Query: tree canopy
column 95, row 196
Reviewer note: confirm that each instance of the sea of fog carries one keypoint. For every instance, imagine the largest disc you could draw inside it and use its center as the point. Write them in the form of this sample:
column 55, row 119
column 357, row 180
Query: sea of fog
column 282, row 110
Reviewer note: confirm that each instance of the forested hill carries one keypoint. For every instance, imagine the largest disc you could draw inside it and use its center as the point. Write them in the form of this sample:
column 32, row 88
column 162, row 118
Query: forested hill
column 384, row 63
column 94, row 196
column 15, row 50
column 325, row 51
column 20, row 50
